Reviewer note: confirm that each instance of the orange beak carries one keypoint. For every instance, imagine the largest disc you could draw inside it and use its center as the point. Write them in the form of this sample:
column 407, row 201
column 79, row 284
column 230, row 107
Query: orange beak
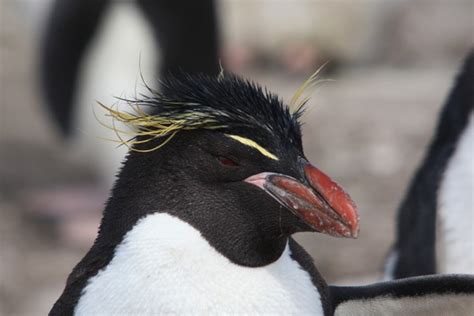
column 321, row 203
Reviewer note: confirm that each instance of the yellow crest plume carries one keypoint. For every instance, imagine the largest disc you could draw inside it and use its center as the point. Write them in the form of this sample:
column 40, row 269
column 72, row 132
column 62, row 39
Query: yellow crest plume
column 204, row 102
column 150, row 126
column 297, row 102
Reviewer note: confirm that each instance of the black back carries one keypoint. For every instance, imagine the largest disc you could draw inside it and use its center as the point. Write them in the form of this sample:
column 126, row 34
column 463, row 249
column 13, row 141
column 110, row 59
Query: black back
column 416, row 230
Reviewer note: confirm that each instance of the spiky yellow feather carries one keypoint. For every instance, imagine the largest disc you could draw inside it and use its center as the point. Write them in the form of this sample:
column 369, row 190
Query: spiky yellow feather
column 297, row 102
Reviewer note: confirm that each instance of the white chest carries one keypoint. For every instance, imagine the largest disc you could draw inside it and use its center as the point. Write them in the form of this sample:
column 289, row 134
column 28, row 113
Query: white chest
column 164, row 266
column 455, row 238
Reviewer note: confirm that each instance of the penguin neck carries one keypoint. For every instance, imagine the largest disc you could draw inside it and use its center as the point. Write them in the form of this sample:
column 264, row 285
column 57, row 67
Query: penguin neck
column 242, row 244
column 242, row 238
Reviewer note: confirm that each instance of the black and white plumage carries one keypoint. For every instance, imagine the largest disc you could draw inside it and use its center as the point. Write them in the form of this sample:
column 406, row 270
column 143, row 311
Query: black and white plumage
column 201, row 216
column 185, row 31
column 435, row 232
column 90, row 50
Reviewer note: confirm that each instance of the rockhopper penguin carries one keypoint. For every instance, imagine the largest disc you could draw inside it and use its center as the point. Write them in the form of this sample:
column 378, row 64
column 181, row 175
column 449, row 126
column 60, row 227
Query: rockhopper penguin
column 201, row 216
column 435, row 232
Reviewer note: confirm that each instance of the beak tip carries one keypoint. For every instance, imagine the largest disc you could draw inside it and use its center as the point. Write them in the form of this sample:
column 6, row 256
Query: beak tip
column 350, row 215
column 354, row 227
column 355, row 233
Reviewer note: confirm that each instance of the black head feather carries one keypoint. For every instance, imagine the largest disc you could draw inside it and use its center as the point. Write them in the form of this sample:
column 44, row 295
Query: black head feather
column 227, row 103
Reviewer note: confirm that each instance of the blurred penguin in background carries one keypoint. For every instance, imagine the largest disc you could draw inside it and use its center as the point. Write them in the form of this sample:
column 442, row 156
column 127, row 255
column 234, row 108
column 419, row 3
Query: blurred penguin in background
column 95, row 50
column 435, row 232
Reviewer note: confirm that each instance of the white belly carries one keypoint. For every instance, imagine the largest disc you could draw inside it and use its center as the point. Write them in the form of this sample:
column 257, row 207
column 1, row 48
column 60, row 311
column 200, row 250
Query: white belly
column 455, row 238
column 164, row 266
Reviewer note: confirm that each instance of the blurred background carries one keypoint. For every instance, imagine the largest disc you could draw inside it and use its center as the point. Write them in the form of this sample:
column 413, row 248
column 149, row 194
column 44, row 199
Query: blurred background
column 393, row 62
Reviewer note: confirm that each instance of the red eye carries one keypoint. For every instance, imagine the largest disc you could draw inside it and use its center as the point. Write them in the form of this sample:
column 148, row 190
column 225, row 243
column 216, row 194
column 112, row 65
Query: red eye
column 227, row 162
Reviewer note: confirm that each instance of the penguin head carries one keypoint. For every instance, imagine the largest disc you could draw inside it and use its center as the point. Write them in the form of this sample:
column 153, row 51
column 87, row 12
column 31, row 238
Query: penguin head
column 226, row 156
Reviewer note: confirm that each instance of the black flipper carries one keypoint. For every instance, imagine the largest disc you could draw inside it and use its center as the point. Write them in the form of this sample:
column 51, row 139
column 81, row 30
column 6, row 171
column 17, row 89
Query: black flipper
column 69, row 30
column 427, row 295
column 416, row 240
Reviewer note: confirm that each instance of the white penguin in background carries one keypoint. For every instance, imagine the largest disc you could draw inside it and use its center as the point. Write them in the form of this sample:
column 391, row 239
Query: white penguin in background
column 94, row 50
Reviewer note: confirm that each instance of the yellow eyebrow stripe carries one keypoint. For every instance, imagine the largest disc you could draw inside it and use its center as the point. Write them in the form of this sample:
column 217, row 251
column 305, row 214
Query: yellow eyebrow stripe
column 251, row 143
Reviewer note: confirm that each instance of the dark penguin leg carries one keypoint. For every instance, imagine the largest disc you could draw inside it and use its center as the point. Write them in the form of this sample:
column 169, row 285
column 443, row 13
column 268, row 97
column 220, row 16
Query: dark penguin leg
column 70, row 28
column 414, row 250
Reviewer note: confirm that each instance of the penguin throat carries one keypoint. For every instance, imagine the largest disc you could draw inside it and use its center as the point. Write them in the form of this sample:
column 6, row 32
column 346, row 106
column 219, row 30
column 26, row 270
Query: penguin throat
column 251, row 252
column 241, row 243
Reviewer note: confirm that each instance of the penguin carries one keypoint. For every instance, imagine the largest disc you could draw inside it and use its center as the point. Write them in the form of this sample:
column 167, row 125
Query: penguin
column 201, row 217
column 72, row 25
column 90, row 50
column 435, row 228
